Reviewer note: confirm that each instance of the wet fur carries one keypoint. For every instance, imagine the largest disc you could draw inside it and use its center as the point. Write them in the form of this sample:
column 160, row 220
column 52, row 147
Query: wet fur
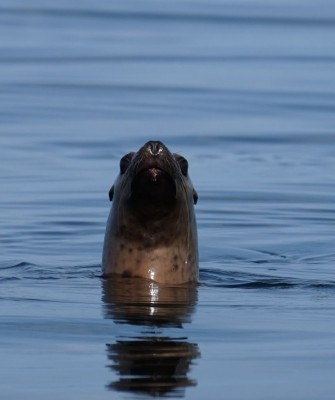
column 155, row 240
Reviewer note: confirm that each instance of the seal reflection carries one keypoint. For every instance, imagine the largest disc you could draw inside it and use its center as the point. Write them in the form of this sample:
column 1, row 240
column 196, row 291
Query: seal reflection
column 151, row 363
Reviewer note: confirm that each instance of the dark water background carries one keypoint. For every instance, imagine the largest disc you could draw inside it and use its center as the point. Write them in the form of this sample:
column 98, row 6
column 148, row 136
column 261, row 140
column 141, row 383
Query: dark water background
column 246, row 91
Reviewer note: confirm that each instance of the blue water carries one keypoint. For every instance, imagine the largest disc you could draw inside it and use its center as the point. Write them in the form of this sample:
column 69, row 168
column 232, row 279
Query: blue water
column 245, row 90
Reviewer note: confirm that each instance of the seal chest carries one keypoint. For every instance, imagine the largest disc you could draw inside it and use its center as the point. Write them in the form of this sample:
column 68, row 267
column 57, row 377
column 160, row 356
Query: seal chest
column 151, row 229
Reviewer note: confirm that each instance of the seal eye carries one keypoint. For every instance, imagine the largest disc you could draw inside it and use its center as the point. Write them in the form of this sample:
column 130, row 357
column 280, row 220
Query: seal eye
column 125, row 161
column 183, row 163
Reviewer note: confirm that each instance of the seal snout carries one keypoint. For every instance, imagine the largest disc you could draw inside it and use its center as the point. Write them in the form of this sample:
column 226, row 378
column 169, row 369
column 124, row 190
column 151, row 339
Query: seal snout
column 154, row 157
column 153, row 186
column 155, row 147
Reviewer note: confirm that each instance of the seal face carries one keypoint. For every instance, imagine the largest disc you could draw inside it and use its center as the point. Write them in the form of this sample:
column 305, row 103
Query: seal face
column 151, row 229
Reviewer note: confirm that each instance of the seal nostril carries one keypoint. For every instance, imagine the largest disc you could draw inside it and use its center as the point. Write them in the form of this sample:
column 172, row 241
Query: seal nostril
column 155, row 148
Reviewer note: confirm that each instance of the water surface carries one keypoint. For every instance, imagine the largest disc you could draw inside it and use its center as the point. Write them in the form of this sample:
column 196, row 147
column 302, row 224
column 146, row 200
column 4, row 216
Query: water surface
column 246, row 91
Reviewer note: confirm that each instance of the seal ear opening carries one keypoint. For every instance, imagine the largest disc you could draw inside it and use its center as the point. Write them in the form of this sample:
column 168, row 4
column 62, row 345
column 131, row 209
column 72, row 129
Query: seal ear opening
column 195, row 196
column 111, row 193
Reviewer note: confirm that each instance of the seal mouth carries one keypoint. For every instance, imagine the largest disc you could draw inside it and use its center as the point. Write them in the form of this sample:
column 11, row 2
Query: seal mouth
column 153, row 185
column 153, row 174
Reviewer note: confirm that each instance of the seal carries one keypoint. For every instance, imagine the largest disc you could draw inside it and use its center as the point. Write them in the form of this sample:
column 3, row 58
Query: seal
column 151, row 230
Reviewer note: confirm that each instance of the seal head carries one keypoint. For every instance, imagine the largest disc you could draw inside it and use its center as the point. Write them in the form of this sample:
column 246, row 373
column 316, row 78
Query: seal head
column 151, row 230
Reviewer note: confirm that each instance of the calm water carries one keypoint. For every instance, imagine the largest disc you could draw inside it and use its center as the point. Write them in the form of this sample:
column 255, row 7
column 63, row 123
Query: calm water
column 246, row 91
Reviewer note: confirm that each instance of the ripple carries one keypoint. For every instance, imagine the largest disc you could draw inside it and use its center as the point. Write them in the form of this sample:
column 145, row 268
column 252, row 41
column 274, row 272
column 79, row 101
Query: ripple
column 235, row 279
column 9, row 58
column 176, row 17
column 29, row 271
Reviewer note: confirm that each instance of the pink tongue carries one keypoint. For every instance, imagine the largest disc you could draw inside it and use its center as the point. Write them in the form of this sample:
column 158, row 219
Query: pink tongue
column 154, row 172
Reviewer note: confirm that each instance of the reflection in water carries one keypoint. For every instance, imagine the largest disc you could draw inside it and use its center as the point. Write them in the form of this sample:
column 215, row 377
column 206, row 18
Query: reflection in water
column 152, row 363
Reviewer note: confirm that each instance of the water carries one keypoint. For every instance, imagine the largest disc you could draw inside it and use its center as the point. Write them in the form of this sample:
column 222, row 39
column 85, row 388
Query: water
column 246, row 91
